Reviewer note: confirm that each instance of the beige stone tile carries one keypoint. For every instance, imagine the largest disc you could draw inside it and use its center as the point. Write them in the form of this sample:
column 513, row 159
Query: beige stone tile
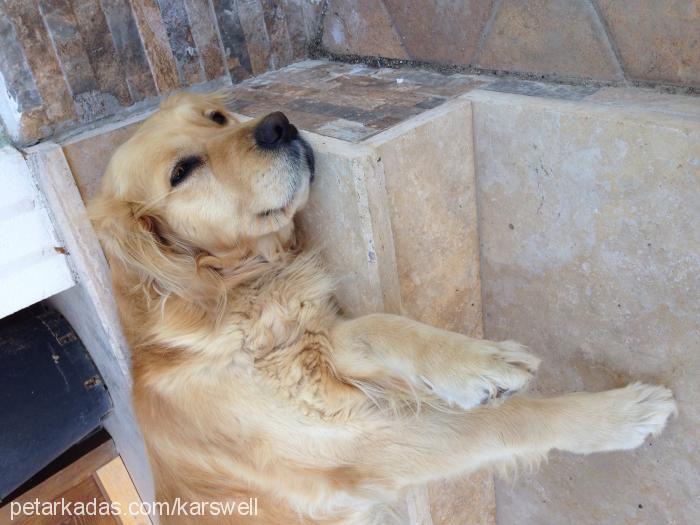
column 346, row 218
column 469, row 500
column 591, row 257
column 429, row 172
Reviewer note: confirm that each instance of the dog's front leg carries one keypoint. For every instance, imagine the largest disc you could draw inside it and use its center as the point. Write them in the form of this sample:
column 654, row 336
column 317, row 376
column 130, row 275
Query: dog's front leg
column 415, row 449
column 463, row 371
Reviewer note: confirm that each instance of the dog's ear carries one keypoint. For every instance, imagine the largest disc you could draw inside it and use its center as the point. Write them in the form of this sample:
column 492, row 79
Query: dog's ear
column 131, row 237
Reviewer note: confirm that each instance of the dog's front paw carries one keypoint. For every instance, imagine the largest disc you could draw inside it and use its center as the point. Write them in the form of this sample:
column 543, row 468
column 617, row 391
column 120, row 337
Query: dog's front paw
column 482, row 373
column 629, row 415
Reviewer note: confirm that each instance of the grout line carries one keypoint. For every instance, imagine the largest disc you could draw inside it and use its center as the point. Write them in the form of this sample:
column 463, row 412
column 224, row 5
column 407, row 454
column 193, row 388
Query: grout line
column 486, row 32
column 612, row 45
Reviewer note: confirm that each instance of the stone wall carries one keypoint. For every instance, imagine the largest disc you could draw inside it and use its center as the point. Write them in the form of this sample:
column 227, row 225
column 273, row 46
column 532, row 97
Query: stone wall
column 67, row 63
column 631, row 41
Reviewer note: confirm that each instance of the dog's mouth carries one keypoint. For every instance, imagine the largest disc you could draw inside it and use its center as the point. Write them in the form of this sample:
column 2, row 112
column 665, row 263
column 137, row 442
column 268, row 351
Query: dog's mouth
column 301, row 156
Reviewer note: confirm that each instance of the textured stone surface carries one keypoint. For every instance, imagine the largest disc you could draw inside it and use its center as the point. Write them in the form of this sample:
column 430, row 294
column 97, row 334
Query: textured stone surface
column 130, row 50
column 445, row 31
column 149, row 20
column 344, row 101
column 657, row 41
column 428, row 165
column 361, row 27
column 591, row 256
column 206, row 38
column 87, row 154
column 464, row 501
column 101, row 51
column 68, row 63
column 31, row 34
column 429, row 172
column 347, row 218
column 554, row 37
column 181, row 40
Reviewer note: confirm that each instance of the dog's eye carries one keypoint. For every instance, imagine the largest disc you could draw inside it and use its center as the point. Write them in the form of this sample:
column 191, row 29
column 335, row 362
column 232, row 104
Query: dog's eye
column 218, row 117
column 183, row 168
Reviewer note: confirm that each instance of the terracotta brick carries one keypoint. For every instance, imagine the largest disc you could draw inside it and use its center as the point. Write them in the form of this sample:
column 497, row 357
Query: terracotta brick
column 235, row 48
column 554, row 37
column 100, row 49
column 130, row 52
column 155, row 42
column 440, row 30
column 185, row 52
column 657, row 41
column 361, row 27
column 43, row 63
column 206, row 37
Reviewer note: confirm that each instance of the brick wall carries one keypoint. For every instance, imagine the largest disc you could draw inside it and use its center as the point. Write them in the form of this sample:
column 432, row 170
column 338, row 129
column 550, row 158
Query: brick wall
column 644, row 42
column 66, row 63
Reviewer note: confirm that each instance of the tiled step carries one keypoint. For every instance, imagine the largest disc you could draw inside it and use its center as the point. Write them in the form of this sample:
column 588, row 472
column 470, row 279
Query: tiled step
column 401, row 154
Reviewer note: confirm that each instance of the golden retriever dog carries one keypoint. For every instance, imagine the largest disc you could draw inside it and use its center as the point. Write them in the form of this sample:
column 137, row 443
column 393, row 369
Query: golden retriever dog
column 249, row 382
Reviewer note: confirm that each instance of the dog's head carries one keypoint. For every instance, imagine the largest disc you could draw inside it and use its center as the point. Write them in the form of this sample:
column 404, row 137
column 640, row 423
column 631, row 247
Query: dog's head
column 195, row 182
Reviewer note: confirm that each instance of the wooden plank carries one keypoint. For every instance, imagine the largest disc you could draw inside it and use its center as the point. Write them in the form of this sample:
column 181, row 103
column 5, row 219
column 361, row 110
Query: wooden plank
column 117, row 487
column 59, row 483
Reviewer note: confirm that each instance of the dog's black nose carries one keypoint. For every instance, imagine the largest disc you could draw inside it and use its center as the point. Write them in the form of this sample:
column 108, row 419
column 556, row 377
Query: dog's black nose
column 274, row 130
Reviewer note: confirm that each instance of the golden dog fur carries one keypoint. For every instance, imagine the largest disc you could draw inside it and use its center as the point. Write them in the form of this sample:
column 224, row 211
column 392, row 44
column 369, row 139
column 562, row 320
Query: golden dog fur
column 249, row 383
